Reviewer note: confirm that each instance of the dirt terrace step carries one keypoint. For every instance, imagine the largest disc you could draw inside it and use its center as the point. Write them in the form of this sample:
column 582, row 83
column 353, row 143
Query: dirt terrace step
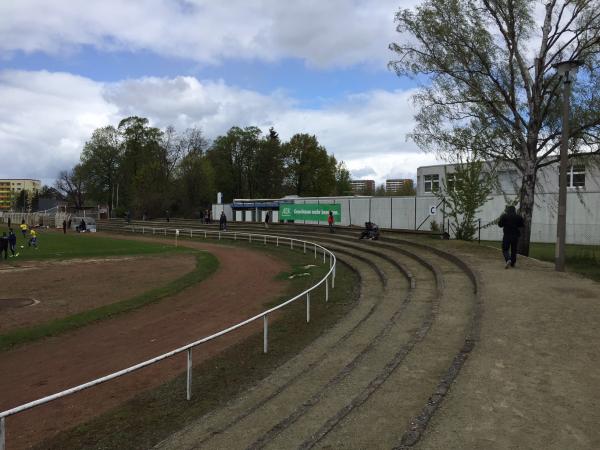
column 413, row 350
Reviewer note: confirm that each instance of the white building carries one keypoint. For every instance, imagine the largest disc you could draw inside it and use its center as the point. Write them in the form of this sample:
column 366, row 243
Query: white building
column 583, row 200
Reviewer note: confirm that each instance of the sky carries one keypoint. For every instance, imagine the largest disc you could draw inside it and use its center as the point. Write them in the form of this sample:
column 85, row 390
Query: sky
column 317, row 67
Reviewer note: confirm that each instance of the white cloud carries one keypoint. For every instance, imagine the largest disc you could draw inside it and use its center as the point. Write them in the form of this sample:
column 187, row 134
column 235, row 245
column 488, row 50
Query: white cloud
column 322, row 33
column 45, row 118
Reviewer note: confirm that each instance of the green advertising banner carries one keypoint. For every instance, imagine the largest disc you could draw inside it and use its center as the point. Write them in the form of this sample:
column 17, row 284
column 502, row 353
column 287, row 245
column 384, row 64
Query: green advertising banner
column 310, row 211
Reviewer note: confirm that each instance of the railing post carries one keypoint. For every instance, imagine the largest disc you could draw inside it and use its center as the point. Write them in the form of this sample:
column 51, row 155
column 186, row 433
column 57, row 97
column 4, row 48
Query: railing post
column 2, row 433
column 265, row 240
column 265, row 334
column 330, row 261
column 323, row 256
column 143, row 230
column 191, row 233
column 333, row 278
column 305, row 247
column 165, row 231
column 291, row 244
column 277, row 241
column 307, row 307
column 153, row 230
column 189, row 374
column 235, row 236
column 326, row 289
column 249, row 237
column 315, row 246
column 219, row 235
column 204, row 234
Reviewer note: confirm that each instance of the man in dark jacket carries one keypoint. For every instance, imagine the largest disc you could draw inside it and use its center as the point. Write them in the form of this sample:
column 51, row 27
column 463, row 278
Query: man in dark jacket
column 510, row 222
column 4, row 245
column 12, row 242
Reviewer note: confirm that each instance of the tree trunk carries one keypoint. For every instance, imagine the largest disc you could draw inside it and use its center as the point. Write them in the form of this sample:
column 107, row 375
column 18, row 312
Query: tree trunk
column 526, row 204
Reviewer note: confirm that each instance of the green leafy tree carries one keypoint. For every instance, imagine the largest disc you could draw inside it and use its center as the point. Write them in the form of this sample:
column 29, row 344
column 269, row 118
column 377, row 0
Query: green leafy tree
column 492, row 86
column 380, row 191
column 100, row 161
column 464, row 192
column 144, row 177
column 342, row 180
column 270, row 167
column 311, row 171
column 234, row 160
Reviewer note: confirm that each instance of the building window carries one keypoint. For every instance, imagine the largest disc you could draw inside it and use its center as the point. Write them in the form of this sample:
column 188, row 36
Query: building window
column 575, row 177
column 432, row 183
column 451, row 181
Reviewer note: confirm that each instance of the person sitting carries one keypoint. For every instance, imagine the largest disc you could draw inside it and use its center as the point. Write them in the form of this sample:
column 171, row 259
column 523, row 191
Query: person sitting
column 371, row 231
column 81, row 227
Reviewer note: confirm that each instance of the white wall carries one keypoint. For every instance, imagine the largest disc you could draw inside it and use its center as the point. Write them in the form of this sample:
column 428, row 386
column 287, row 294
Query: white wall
column 408, row 213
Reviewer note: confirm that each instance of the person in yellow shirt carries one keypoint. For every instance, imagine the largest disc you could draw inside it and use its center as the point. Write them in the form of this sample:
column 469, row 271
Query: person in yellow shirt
column 33, row 239
column 23, row 227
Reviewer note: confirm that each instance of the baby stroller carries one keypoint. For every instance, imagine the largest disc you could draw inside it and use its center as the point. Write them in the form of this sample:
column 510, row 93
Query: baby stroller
column 371, row 231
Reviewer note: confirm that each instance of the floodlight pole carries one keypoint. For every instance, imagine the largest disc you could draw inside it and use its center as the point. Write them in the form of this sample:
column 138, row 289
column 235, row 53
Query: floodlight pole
column 564, row 69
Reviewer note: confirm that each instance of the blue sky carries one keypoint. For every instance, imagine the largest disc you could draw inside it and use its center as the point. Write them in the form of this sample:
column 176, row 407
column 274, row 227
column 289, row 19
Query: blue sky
column 318, row 67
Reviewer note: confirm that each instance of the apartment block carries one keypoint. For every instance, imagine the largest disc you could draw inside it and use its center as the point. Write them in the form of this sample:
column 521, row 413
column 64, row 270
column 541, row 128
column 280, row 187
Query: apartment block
column 11, row 188
column 396, row 184
column 363, row 186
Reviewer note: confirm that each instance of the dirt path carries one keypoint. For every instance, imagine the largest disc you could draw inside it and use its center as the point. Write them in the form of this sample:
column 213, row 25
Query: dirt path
column 61, row 288
column 39, row 369
column 533, row 380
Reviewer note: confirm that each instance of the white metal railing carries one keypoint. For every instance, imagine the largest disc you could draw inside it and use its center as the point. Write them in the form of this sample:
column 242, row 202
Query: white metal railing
column 317, row 249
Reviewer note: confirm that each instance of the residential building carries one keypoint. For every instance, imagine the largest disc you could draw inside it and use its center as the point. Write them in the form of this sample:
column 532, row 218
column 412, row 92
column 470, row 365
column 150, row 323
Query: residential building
column 11, row 188
column 397, row 184
column 363, row 186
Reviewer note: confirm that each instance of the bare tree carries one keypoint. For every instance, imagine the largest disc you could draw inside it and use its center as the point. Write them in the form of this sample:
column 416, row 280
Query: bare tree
column 70, row 184
column 491, row 85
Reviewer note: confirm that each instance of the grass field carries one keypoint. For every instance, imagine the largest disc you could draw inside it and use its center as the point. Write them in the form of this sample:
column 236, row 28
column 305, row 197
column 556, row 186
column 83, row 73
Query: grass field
column 154, row 415
column 53, row 244
column 582, row 259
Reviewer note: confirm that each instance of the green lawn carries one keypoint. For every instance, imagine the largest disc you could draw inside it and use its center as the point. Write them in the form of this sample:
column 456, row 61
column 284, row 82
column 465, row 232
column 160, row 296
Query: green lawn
column 53, row 244
column 583, row 259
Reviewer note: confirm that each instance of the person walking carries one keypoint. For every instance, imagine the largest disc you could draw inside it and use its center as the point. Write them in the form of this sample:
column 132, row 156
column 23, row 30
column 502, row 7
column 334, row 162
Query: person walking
column 330, row 221
column 9, row 222
column 511, row 223
column 223, row 221
column 23, row 227
column 64, row 227
column 4, row 245
column 267, row 219
column 12, row 242
column 33, row 239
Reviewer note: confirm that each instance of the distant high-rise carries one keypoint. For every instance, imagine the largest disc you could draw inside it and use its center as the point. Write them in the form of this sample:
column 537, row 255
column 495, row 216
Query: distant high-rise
column 363, row 186
column 397, row 184
column 12, row 188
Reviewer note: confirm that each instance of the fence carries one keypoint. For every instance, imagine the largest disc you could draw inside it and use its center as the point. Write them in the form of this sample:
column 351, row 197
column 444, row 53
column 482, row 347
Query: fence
column 418, row 213
column 317, row 250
